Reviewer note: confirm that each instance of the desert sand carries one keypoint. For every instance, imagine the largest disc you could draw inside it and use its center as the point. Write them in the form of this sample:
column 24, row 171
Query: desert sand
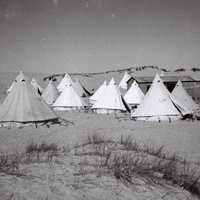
column 59, row 180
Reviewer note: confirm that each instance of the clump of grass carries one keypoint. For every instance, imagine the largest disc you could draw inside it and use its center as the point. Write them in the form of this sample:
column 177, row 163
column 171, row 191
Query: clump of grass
column 155, row 151
column 48, row 147
column 9, row 163
column 31, row 148
column 129, row 143
column 95, row 139
column 38, row 150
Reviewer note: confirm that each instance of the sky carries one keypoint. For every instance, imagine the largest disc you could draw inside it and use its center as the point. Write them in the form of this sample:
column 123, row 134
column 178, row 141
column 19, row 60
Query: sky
column 49, row 36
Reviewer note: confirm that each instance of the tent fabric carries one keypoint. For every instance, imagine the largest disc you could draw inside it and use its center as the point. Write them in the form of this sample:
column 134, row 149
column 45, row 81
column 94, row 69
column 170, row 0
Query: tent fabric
column 69, row 99
column 18, row 77
column 157, row 104
column 99, row 92
column 111, row 100
column 37, row 87
column 80, row 89
column 50, row 93
column 24, row 105
column 183, row 97
column 11, row 86
column 67, row 80
column 123, row 82
column 134, row 95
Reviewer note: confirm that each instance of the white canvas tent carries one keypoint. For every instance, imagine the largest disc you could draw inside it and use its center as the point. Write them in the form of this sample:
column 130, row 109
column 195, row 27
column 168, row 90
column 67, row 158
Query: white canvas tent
column 182, row 96
column 98, row 93
column 37, row 87
column 134, row 95
column 50, row 93
column 157, row 104
column 111, row 101
column 14, row 82
column 24, row 105
column 69, row 100
column 82, row 91
column 123, row 82
column 67, row 80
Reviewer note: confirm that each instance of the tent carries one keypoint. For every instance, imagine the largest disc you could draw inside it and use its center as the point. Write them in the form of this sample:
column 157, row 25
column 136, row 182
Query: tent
column 134, row 95
column 65, row 81
column 123, row 82
column 181, row 95
column 111, row 101
column 14, row 82
column 50, row 93
column 80, row 89
column 37, row 87
column 24, row 105
column 158, row 105
column 98, row 93
column 69, row 100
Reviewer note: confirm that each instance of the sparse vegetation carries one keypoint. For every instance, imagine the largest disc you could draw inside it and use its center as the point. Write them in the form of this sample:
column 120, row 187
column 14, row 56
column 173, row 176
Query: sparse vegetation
column 41, row 152
column 125, row 160
column 10, row 164
column 129, row 159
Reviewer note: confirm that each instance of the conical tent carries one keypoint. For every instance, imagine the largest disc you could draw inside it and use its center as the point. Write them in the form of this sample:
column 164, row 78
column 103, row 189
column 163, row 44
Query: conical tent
column 18, row 77
column 23, row 105
column 67, row 80
column 157, row 104
column 69, row 100
column 181, row 95
column 37, row 87
column 82, row 91
column 123, row 82
column 111, row 101
column 50, row 93
column 134, row 95
column 99, row 92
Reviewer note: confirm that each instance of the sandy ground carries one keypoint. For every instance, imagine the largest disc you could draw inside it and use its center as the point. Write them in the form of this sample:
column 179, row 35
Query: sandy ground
column 76, row 175
column 182, row 137
column 56, row 181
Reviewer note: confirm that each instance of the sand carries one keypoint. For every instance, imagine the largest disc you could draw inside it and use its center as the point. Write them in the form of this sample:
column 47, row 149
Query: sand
column 180, row 137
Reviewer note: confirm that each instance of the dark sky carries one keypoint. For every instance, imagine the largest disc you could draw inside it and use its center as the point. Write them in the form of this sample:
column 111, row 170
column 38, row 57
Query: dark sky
column 97, row 35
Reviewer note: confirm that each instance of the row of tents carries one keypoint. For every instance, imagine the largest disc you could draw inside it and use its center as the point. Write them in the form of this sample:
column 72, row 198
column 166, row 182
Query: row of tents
column 28, row 102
